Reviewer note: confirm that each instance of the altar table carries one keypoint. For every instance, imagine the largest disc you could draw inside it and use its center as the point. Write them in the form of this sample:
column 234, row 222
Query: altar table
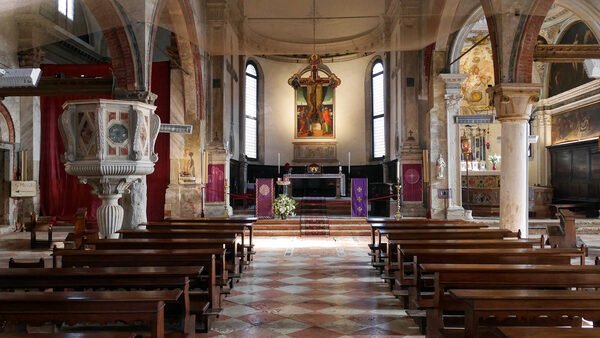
column 340, row 184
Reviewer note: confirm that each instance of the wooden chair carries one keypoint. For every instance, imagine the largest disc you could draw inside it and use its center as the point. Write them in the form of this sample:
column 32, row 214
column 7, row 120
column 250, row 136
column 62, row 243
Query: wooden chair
column 14, row 264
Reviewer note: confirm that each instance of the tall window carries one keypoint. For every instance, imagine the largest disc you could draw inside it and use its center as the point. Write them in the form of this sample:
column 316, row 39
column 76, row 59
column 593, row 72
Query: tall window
column 67, row 8
column 378, row 109
column 251, row 111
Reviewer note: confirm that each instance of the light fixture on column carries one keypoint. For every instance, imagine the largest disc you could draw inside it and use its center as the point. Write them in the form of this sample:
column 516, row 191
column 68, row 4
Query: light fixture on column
column 20, row 77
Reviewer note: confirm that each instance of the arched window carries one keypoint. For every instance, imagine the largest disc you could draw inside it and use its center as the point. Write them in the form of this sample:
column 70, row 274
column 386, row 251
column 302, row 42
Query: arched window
column 378, row 109
column 67, row 8
column 251, row 112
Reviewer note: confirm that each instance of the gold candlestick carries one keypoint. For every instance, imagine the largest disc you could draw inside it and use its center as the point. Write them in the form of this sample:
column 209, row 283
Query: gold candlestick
column 398, row 186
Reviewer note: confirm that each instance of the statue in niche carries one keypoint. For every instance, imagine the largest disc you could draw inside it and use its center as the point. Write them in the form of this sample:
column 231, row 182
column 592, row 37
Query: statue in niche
column 440, row 166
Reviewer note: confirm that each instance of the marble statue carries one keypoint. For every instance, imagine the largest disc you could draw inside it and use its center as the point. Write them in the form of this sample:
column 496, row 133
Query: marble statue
column 440, row 166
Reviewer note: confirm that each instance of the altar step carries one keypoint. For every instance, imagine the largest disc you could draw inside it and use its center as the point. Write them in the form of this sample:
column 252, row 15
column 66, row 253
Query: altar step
column 294, row 227
column 314, row 226
column 323, row 207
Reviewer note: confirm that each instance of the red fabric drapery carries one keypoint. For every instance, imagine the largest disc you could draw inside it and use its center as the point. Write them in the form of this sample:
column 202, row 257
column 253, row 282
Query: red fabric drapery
column 60, row 193
column 159, row 180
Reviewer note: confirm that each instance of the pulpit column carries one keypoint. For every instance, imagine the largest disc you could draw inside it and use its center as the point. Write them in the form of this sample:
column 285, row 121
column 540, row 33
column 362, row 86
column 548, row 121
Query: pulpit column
column 513, row 108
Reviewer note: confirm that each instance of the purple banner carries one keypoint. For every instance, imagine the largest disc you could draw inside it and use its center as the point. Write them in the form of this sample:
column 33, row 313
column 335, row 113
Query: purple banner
column 264, row 197
column 360, row 197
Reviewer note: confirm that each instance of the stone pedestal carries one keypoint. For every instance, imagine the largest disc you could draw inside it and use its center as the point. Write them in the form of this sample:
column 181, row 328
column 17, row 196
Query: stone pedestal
column 184, row 201
column 513, row 107
column 109, row 144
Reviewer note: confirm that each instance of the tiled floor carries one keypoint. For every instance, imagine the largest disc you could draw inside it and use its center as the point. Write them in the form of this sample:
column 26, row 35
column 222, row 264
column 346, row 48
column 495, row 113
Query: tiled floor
column 312, row 287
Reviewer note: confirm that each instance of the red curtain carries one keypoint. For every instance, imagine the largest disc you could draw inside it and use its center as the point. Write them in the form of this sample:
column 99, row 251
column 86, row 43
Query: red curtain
column 159, row 180
column 62, row 194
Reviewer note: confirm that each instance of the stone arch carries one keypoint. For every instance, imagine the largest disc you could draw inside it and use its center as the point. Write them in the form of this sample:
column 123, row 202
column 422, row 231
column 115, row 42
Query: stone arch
column 120, row 42
column 188, row 47
column 523, row 49
column 460, row 38
column 7, row 127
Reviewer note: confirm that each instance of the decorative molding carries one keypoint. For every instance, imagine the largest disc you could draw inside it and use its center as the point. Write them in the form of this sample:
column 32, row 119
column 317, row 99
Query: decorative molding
column 565, row 53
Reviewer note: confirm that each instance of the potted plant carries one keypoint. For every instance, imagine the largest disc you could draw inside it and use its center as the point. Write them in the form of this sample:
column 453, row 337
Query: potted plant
column 495, row 159
column 284, row 206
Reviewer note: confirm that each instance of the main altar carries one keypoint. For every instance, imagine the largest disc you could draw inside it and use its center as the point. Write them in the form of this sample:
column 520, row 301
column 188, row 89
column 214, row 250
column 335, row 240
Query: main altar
column 320, row 181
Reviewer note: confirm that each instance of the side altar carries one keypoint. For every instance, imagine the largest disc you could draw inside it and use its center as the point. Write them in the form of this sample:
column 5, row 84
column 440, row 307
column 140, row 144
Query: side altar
column 316, row 184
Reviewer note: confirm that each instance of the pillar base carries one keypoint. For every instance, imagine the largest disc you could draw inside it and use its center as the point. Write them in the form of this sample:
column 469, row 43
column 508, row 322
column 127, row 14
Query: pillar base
column 468, row 215
column 183, row 201
column 217, row 209
column 413, row 209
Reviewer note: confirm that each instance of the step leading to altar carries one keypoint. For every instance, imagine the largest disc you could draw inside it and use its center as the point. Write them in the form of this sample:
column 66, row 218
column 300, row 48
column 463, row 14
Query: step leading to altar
column 310, row 226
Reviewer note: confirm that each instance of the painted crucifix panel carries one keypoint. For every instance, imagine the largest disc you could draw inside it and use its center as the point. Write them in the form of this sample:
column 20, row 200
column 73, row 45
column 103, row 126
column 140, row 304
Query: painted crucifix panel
column 314, row 101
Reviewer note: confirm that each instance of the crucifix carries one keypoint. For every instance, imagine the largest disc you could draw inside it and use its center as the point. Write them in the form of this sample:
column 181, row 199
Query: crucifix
column 314, row 90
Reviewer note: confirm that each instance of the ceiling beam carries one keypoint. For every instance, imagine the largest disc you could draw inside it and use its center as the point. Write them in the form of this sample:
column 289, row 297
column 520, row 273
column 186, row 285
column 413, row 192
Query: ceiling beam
column 51, row 86
column 565, row 53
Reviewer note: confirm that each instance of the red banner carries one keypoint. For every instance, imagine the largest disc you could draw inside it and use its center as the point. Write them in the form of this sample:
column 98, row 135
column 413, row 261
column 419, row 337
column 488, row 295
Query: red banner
column 412, row 182
column 215, row 190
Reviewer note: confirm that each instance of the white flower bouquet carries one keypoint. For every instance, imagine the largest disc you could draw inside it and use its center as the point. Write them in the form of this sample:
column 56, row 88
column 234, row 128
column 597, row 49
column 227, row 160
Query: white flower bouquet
column 494, row 158
column 284, row 206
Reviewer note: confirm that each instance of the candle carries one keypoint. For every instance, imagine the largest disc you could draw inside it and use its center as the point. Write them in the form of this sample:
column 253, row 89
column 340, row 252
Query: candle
column 348, row 162
column 205, row 167
column 398, row 169
column 278, row 162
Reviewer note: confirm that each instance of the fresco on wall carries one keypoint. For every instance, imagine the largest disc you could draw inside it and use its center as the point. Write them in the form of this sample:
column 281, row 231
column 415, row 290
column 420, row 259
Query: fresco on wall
column 479, row 67
column 579, row 124
column 565, row 76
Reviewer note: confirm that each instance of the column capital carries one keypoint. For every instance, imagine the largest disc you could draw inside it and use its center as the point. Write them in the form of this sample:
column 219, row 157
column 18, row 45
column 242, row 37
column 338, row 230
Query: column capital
column 453, row 80
column 513, row 100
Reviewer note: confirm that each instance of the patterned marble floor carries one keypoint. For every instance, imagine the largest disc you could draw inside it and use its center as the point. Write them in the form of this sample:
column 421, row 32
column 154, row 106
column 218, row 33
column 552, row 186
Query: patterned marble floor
column 312, row 287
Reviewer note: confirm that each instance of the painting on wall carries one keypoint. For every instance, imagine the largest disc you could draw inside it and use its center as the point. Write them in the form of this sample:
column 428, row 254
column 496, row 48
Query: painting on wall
column 315, row 117
column 579, row 124
column 479, row 67
column 315, row 152
column 314, row 100
column 566, row 76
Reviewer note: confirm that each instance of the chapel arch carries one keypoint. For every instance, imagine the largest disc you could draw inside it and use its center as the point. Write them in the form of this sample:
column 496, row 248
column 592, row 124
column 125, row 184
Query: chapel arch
column 113, row 22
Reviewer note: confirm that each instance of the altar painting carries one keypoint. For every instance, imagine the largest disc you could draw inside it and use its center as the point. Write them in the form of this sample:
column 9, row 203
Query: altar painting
column 315, row 120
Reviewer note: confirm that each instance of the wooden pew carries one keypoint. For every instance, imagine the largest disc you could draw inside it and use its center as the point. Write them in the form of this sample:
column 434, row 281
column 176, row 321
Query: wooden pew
column 376, row 227
column 138, row 258
column 395, row 268
column 186, row 233
column 246, row 249
column 525, row 305
column 545, row 332
column 88, row 306
column 563, row 235
column 231, row 259
column 497, row 276
column 113, row 278
column 425, row 234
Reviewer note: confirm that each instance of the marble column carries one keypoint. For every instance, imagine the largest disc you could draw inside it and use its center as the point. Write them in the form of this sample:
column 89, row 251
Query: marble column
column 513, row 103
column 453, row 97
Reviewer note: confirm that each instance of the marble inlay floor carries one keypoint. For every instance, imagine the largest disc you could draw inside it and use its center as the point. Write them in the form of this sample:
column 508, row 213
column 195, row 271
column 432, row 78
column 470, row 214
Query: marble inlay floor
column 312, row 287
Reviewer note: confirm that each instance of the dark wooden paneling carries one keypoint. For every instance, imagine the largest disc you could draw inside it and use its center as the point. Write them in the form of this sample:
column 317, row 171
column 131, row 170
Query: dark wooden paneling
column 576, row 171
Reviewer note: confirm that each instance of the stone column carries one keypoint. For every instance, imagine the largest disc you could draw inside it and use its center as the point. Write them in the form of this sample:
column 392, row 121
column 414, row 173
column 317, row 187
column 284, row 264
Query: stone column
column 542, row 127
column 30, row 129
column 513, row 107
column 453, row 84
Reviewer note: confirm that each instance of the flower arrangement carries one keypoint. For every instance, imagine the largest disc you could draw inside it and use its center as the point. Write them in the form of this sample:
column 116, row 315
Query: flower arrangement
column 494, row 158
column 284, row 206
